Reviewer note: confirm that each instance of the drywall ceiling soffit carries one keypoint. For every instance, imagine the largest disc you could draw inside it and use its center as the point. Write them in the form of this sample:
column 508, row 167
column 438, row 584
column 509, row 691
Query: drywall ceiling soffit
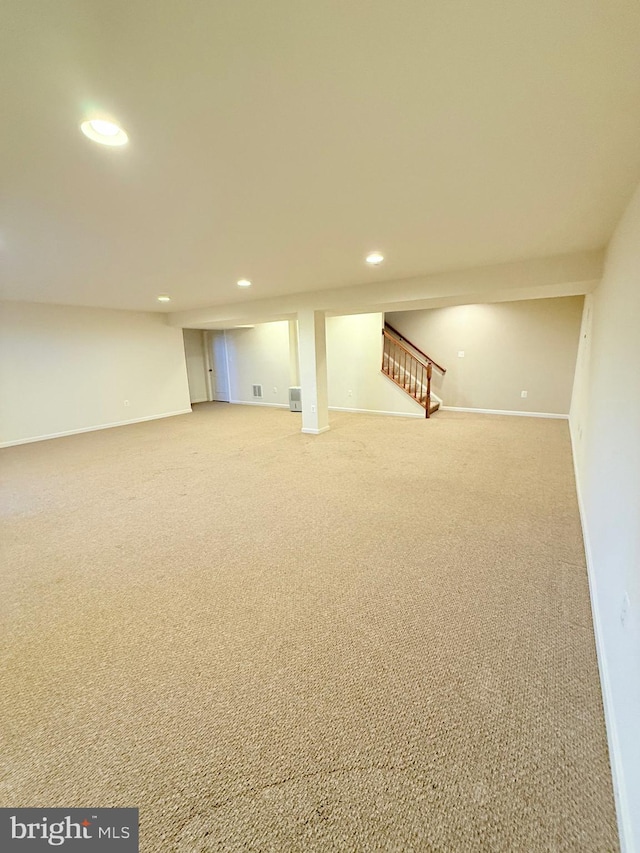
column 548, row 292
column 563, row 275
column 580, row 288
column 281, row 141
column 231, row 323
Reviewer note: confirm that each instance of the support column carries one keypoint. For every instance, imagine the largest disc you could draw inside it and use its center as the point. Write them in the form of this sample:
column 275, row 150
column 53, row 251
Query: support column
column 312, row 350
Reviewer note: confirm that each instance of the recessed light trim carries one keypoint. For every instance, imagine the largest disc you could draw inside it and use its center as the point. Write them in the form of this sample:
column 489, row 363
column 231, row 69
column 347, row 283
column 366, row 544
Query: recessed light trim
column 164, row 298
column 244, row 282
column 374, row 258
column 104, row 132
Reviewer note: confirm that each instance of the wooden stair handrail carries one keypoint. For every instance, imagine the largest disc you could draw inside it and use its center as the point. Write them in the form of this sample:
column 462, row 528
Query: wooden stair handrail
column 442, row 370
column 413, row 374
column 401, row 346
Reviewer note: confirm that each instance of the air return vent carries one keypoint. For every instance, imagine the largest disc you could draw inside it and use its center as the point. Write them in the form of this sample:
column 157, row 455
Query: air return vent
column 257, row 391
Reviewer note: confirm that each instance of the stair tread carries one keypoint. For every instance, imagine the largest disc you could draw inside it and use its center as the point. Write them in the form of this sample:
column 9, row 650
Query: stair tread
column 409, row 382
column 410, row 389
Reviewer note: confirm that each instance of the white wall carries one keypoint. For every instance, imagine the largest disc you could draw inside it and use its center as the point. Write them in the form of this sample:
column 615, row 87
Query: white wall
column 508, row 347
column 354, row 359
column 605, row 428
column 194, row 344
column 259, row 356
column 67, row 369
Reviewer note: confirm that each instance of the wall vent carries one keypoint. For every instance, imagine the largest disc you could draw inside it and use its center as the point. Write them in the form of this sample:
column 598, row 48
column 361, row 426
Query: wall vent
column 257, row 391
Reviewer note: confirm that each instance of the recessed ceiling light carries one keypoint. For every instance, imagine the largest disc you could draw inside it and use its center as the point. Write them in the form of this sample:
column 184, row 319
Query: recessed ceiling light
column 164, row 299
column 374, row 258
column 105, row 132
column 244, row 282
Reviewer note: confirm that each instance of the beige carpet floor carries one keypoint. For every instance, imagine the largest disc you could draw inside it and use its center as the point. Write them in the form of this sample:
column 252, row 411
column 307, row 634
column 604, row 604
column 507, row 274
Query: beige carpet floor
column 376, row 639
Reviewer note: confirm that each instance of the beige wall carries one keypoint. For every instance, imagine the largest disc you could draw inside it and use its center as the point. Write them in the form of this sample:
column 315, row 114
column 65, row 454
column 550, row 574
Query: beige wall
column 259, row 356
column 605, row 429
column 354, row 351
column 354, row 358
column 508, row 347
column 194, row 344
column 67, row 369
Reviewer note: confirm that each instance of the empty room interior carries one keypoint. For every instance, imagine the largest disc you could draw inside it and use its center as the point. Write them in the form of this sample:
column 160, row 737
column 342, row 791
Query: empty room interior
column 320, row 423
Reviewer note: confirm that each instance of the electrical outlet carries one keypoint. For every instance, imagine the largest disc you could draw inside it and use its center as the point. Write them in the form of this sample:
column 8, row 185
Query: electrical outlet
column 349, row 393
column 523, row 394
column 313, row 408
column 624, row 610
column 126, row 402
column 461, row 353
column 275, row 389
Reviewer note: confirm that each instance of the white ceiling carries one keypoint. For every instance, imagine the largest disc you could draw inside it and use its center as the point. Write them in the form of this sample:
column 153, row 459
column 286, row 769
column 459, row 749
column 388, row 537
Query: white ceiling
column 280, row 140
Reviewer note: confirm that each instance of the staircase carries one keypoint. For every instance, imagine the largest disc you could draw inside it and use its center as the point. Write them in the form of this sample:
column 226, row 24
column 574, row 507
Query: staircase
column 409, row 368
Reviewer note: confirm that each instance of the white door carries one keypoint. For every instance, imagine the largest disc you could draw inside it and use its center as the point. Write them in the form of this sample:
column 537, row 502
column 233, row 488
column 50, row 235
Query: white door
column 195, row 358
column 219, row 370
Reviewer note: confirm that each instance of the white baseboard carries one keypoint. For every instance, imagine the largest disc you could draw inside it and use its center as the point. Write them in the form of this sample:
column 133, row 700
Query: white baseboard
column 413, row 414
column 259, row 403
column 309, row 431
column 623, row 810
column 332, row 409
column 93, row 428
column 376, row 412
column 504, row 412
